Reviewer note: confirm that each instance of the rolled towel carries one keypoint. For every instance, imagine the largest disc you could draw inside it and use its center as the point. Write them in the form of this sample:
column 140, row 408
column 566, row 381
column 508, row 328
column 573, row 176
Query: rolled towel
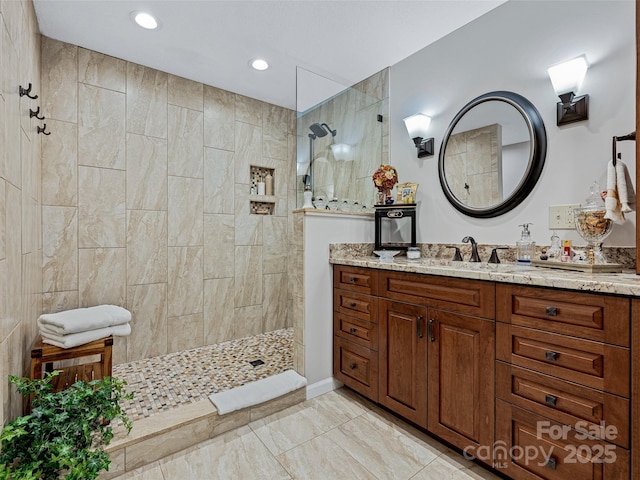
column 624, row 184
column 612, row 205
column 83, row 319
column 75, row 339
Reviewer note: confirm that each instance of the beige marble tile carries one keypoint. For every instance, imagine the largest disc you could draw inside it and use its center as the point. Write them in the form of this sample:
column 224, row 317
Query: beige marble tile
column 59, row 80
column 274, row 302
column 274, row 240
column 219, row 246
column 219, row 179
column 218, row 310
column 248, row 276
column 59, row 165
column 13, row 259
column 3, row 131
column 60, row 249
column 248, row 150
column 148, row 307
column 276, row 127
column 101, row 70
column 148, row 472
column 237, row 454
column 102, row 277
column 185, row 147
column 278, row 404
column 3, row 299
column 101, row 207
column 249, row 110
column 146, row 101
column 101, row 127
column 247, row 321
column 441, row 468
column 248, row 226
column 185, row 93
column 320, row 459
column 54, row 302
column 117, row 466
column 185, row 281
column 146, row 247
column 12, row 114
column 185, row 332
column 285, row 430
column 146, row 173
column 219, row 118
column 387, row 451
column 3, row 219
column 186, row 197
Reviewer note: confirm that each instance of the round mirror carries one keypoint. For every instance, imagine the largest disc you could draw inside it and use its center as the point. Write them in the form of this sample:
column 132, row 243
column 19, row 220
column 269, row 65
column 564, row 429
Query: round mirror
column 492, row 154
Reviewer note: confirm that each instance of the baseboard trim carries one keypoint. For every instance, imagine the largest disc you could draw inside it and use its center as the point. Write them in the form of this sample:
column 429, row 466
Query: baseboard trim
column 323, row 386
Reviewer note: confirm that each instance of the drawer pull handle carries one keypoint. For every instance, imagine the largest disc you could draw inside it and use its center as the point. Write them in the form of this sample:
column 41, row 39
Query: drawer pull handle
column 352, row 279
column 352, row 304
column 352, row 330
column 552, row 356
column 551, row 311
column 431, row 336
column 352, row 366
column 419, row 322
column 551, row 463
column 551, row 400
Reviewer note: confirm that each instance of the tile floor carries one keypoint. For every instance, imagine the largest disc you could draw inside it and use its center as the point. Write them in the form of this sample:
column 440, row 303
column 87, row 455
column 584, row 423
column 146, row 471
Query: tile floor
column 338, row 435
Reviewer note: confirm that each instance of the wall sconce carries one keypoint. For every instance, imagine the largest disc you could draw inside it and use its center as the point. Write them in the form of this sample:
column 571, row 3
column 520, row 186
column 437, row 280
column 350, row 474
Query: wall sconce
column 417, row 126
column 341, row 152
column 567, row 78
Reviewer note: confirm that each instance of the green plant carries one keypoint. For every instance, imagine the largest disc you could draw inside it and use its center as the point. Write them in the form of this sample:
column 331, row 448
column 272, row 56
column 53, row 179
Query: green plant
column 65, row 433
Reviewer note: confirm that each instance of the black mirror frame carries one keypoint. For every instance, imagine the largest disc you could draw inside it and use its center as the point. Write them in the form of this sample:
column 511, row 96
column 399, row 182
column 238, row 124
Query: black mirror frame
column 537, row 158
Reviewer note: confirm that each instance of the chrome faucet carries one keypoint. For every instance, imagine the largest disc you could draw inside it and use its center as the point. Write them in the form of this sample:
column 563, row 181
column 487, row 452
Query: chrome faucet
column 474, row 249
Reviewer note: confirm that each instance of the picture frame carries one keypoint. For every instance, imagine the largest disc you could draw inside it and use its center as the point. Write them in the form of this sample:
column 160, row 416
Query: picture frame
column 406, row 192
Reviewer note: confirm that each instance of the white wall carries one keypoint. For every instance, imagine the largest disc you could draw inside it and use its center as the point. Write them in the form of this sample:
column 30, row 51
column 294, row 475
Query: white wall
column 319, row 231
column 510, row 48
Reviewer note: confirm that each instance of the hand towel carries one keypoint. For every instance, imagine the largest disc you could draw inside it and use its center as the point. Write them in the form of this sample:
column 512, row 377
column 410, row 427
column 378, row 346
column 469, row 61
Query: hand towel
column 611, row 203
column 83, row 319
column 75, row 339
column 624, row 184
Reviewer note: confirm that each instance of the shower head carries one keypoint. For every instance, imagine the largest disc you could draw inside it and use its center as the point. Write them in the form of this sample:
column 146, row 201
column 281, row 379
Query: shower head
column 321, row 130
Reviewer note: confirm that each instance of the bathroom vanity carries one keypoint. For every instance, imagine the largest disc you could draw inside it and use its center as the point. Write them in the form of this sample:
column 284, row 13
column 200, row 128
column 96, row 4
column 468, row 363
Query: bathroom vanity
column 527, row 370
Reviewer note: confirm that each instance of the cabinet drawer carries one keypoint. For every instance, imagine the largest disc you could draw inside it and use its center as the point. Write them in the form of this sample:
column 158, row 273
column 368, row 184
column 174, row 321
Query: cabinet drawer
column 356, row 366
column 539, row 449
column 355, row 304
column 565, row 402
column 594, row 364
column 356, row 330
column 473, row 297
column 603, row 318
column 356, row 279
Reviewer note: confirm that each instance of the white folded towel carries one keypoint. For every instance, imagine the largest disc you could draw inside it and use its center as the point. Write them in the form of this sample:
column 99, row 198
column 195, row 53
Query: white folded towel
column 621, row 196
column 75, row 339
column 83, row 319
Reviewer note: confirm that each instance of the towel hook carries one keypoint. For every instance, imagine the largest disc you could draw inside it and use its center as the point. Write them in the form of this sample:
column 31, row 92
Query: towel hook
column 616, row 156
column 35, row 113
column 42, row 129
column 27, row 92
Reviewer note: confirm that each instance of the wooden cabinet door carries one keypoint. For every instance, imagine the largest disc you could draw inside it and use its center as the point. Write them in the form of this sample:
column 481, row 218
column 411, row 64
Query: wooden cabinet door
column 461, row 378
column 403, row 360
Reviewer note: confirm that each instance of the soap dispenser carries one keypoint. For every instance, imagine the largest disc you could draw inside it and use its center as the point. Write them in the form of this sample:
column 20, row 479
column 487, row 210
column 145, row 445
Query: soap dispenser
column 525, row 247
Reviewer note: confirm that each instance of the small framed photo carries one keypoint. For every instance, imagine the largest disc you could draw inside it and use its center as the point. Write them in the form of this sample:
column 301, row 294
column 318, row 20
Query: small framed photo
column 407, row 192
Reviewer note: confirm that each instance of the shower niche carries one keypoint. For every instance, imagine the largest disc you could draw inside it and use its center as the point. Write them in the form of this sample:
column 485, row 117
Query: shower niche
column 262, row 199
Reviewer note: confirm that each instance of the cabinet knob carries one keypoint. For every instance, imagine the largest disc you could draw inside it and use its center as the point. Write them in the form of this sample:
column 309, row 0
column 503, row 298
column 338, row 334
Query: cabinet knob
column 352, row 304
column 352, row 279
column 352, row 366
column 551, row 311
column 352, row 330
column 551, row 400
column 550, row 355
column 551, row 463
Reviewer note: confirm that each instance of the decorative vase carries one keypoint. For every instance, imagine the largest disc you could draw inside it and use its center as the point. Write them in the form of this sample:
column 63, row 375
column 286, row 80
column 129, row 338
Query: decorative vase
column 383, row 197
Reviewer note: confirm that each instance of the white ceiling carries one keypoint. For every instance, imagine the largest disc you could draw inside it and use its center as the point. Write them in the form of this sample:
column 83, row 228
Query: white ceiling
column 212, row 41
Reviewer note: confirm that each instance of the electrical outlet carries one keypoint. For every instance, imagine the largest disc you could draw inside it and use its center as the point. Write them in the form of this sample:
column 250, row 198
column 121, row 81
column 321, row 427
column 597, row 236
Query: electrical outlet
column 561, row 217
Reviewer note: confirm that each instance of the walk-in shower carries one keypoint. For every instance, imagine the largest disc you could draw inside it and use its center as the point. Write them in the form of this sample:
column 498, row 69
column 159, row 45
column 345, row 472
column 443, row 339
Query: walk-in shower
column 319, row 130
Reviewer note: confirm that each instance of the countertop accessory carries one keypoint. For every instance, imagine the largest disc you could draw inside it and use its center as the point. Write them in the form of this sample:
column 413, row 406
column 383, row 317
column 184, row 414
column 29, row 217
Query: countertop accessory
column 592, row 225
column 386, row 255
column 413, row 253
column 525, row 247
column 579, row 267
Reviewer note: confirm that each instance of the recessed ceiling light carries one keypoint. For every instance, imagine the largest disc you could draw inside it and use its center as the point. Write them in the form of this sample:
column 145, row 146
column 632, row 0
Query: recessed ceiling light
column 145, row 20
column 259, row 64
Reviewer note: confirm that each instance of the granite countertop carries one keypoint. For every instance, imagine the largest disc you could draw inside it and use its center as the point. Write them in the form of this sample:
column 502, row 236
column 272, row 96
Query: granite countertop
column 626, row 283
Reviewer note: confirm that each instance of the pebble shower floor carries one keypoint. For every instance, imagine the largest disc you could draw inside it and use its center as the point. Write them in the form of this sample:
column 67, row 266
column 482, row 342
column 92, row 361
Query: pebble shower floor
column 168, row 381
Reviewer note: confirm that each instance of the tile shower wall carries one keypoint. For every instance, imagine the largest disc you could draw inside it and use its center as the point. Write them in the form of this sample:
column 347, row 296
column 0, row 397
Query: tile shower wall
column 146, row 202
column 20, row 198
